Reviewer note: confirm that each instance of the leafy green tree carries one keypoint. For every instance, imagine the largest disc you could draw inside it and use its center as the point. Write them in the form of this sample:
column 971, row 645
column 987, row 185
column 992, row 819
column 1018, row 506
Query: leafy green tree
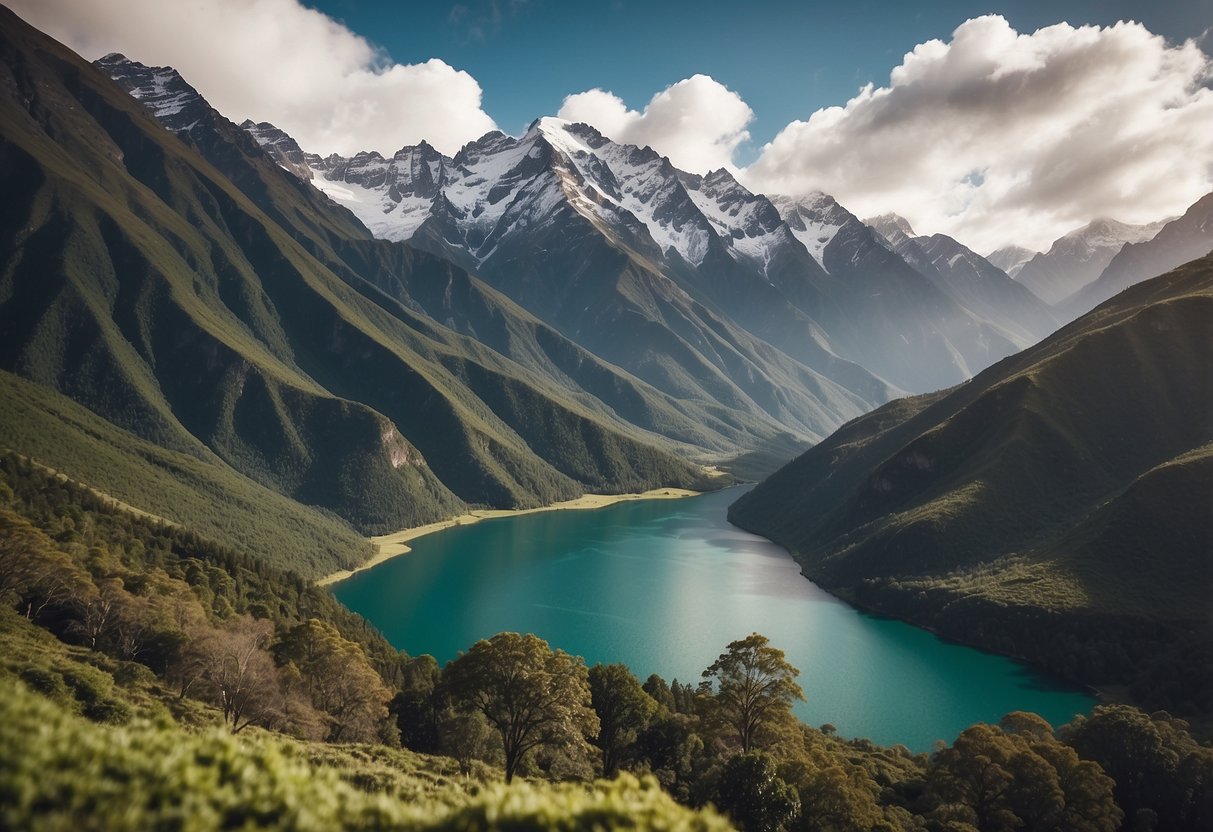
column 657, row 688
column 1153, row 759
column 532, row 695
column 755, row 688
column 753, row 795
column 339, row 680
column 623, row 709
column 1019, row 778
column 834, row 797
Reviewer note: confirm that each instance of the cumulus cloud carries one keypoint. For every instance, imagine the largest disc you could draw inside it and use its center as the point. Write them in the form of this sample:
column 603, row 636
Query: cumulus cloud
column 999, row 137
column 698, row 122
column 275, row 60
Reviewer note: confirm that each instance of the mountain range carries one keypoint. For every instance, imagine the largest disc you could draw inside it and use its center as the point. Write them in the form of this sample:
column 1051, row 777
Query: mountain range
column 195, row 297
column 367, row 343
column 803, row 275
column 1056, row 507
column 1080, row 256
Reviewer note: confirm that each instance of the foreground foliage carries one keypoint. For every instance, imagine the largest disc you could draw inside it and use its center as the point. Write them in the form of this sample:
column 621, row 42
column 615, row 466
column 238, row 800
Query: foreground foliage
column 149, row 775
column 154, row 679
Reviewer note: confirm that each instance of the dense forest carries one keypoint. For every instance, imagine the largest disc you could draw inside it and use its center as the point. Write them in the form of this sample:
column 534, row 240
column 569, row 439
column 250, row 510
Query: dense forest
column 173, row 683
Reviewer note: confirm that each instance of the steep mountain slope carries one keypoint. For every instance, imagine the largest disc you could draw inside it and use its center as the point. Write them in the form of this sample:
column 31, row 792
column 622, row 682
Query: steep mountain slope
column 1077, row 258
column 501, row 206
column 1184, row 238
column 725, row 379
column 974, row 281
column 209, row 314
column 1011, row 259
column 1056, row 507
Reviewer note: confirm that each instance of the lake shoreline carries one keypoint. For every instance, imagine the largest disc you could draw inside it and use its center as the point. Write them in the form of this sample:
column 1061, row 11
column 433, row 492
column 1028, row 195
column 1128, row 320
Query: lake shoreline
column 388, row 546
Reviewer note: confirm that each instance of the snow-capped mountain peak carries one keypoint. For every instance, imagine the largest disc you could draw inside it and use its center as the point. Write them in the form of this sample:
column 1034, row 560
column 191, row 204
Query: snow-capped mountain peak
column 161, row 89
column 893, row 227
column 814, row 219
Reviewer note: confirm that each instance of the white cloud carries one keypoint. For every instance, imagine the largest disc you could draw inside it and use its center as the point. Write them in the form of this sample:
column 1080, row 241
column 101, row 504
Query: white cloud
column 698, row 122
column 998, row 137
column 275, row 60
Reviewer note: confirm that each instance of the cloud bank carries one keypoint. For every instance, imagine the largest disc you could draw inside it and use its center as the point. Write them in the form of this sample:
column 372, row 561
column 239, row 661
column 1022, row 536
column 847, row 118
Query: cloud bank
column 698, row 122
column 275, row 60
column 998, row 137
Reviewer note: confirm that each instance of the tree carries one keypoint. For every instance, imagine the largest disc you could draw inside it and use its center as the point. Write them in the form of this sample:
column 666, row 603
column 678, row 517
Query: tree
column 657, row 688
column 32, row 570
column 237, row 673
column 1020, row 778
column 532, row 695
column 338, row 679
column 623, row 709
column 755, row 688
column 754, row 796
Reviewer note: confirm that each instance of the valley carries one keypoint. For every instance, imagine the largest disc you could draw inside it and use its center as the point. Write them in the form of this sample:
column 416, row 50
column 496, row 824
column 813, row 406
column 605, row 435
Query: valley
column 560, row 477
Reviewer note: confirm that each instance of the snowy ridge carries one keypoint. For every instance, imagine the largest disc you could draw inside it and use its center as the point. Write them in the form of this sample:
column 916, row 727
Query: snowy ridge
column 498, row 184
column 160, row 89
column 814, row 220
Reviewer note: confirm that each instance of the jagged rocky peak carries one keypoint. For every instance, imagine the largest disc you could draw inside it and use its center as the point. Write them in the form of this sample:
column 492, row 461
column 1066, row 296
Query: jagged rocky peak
column 893, row 227
column 161, row 89
column 282, row 148
column 814, row 219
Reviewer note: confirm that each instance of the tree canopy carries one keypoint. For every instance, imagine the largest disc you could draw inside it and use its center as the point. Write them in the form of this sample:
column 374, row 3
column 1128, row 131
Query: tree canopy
column 755, row 688
column 532, row 695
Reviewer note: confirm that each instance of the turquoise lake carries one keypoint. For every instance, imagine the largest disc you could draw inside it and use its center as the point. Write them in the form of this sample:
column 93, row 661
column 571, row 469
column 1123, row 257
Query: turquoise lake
column 663, row 586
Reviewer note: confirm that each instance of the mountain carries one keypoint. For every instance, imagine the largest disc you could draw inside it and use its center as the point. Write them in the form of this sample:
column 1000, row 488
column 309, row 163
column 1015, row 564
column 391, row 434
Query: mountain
column 197, row 298
column 1077, row 258
column 983, row 288
column 1180, row 240
column 1056, row 507
column 1011, row 259
column 525, row 213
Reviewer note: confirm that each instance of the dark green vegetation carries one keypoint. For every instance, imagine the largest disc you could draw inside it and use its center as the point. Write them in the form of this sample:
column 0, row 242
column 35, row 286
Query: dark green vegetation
column 1055, row 508
column 199, row 298
column 173, row 684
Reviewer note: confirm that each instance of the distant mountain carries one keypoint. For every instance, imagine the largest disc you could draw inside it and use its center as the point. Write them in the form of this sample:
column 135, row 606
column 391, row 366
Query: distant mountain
column 563, row 196
column 1011, row 259
column 1077, row 258
column 199, row 300
column 1180, row 240
column 893, row 227
column 1056, row 507
column 984, row 289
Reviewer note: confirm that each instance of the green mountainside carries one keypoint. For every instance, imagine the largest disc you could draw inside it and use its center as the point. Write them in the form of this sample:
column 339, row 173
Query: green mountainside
column 227, row 315
column 1056, row 507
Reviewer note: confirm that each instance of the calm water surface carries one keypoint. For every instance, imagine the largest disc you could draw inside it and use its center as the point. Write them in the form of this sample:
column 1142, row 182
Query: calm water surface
column 663, row 586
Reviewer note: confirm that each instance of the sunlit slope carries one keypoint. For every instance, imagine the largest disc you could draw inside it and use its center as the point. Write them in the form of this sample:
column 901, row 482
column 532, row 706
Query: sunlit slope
column 1074, row 478
column 139, row 280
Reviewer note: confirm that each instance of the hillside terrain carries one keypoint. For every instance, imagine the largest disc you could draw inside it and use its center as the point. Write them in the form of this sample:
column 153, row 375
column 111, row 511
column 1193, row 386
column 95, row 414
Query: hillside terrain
column 1056, row 507
column 239, row 318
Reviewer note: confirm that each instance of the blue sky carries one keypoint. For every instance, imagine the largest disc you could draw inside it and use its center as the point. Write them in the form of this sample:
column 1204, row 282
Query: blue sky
column 785, row 59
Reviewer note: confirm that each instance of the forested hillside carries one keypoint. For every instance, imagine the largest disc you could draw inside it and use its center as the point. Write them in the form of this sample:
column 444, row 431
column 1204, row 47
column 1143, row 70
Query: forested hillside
column 169, row 681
